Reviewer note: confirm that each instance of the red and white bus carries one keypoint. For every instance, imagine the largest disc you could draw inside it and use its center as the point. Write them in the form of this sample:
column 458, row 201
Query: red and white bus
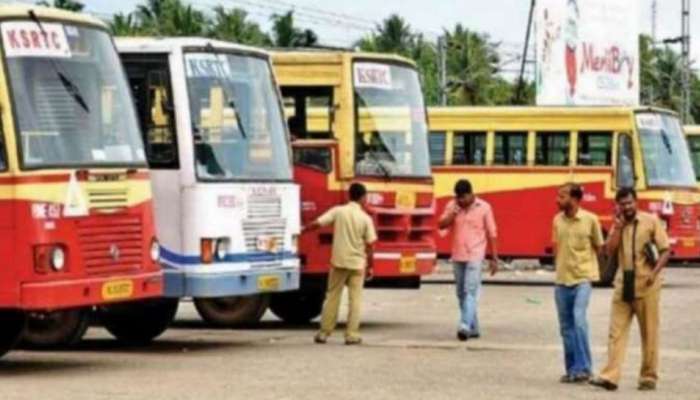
column 76, row 225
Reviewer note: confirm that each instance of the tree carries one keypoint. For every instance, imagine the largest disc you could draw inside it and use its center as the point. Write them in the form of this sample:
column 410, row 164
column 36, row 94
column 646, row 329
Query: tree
column 285, row 34
column 70, row 5
column 170, row 18
column 233, row 25
column 125, row 25
column 472, row 69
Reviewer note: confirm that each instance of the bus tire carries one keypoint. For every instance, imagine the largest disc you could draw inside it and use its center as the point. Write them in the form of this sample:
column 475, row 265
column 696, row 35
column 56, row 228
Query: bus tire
column 56, row 329
column 13, row 323
column 139, row 322
column 298, row 307
column 232, row 311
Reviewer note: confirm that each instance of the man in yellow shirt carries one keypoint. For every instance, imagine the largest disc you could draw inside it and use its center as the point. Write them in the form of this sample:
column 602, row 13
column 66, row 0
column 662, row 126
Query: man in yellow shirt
column 577, row 238
column 641, row 244
column 353, row 235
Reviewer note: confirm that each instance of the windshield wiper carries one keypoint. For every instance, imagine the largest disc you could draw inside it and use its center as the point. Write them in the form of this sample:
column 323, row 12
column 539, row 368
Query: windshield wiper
column 667, row 142
column 232, row 104
column 382, row 167
column 67, row 83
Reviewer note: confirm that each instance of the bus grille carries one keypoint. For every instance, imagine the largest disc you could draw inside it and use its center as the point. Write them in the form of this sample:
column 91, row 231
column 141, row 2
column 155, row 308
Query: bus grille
column 111, row 243
column 108, row 200
column 264, row 219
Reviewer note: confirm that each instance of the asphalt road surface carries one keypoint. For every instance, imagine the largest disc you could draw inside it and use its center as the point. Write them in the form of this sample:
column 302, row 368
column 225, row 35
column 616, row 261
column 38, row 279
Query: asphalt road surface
column 410, row 352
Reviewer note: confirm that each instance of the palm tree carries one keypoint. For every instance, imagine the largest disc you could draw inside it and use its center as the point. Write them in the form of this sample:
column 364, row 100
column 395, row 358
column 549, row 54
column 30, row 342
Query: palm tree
column 472, row 67
column 285, row 34
column 170, row 18
column 125, row 25
column 70, row 5
column 232, row 25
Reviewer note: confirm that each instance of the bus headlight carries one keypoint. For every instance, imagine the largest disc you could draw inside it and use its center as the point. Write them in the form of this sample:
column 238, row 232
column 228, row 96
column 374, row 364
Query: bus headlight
column 58, row 258
column 155, row 250
column 221, row 249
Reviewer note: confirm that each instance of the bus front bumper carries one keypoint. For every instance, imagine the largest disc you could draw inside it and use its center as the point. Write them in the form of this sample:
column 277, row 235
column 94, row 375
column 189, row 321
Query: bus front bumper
column 60, row 294
column 188, row 283
column 389, row 264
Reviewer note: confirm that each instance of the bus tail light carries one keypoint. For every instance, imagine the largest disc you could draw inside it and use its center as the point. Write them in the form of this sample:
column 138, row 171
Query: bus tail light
column 48, row 258
column 207, row 250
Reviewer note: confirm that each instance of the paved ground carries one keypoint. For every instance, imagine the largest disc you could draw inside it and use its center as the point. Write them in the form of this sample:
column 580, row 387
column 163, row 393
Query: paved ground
column 410, row 353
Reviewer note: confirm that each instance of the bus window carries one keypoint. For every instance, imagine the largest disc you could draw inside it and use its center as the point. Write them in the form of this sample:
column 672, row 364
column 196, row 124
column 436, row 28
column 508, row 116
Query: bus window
column 150, row 86
column 694, row 146
column 318, row 158
column 436, row 145
column 625, row 166
column 469, row 148
column 552, row 148
column 510, row 148
column 595, row 149
column 309, row 111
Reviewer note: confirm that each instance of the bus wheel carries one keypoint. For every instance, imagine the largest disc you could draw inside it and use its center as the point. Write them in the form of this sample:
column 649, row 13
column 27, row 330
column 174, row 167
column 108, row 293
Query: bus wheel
column 139, row 322
column 232, row 311
column 47, row 330
column 13, row 324
column 298, row 307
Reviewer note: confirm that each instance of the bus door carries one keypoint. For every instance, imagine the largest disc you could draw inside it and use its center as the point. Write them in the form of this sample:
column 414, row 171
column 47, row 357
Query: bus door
column 310, row 115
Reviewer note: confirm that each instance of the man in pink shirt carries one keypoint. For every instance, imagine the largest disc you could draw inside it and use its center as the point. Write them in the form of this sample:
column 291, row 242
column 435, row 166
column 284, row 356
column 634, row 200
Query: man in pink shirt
column 473, row 227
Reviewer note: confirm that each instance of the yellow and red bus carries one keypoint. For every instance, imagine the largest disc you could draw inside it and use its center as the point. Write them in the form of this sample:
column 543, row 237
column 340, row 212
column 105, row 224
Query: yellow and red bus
column 76, row 225
column 517, row 157
column 692, row 135
column 357, row 117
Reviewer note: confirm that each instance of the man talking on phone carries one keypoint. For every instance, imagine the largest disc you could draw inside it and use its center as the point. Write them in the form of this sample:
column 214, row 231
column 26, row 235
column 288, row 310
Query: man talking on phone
column 473, row 225
column 641, row 244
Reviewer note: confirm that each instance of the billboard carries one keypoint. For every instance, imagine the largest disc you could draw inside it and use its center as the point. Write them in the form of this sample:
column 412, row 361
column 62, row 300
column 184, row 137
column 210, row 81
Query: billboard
column 587, row 52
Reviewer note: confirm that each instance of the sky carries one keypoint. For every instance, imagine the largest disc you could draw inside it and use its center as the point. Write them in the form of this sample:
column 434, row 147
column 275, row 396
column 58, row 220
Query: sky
column 342, row 22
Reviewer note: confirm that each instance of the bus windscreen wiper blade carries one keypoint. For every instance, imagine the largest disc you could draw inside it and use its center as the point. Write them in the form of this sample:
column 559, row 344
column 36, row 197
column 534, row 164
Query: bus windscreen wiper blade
column 67, row 83
column 382, row 167
column 232, row 104
column 73, row 90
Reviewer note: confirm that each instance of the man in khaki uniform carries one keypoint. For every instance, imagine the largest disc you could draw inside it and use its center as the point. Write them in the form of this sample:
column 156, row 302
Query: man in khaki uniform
column 576, row 238
column 637, row 289
column 353, row 234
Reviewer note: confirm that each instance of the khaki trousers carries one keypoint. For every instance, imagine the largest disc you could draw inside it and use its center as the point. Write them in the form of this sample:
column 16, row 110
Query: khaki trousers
column 646, row 309
column 338, row 278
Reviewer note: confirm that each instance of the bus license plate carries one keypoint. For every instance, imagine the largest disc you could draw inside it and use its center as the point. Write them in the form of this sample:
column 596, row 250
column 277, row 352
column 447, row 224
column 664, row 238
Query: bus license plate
column 407, row 265
column 688, row 242
column 116, row 290
column 268, row 282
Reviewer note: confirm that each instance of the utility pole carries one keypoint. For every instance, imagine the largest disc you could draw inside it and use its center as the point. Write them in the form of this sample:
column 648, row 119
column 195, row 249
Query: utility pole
column 442, row 69
column 521, row 79
column 685, row 57
column 653, row 47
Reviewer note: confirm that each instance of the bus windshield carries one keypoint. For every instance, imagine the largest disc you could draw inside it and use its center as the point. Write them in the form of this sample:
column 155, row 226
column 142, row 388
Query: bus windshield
column 664, row 150
column 391, row 129
column 694, row 145
column 237, row 121
column 71, row 102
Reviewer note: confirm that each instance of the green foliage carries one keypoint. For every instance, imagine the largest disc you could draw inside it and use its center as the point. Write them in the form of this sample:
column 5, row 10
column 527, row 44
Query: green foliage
column 233, row 25
column 661, row 78
column 286, row 34
column 70, row 5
